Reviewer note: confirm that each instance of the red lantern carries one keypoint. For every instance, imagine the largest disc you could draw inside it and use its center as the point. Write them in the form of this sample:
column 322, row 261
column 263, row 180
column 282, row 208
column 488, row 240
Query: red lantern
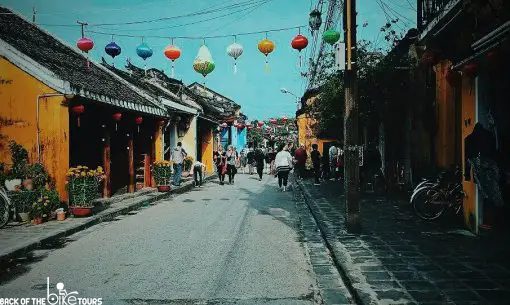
column 260, row 123
column 299, row 43
column 117, row 116
column 272, row 121
column 78, row 110
column 428, row 58
column 470, row 69
column 138, row 121
column 284, row 119
column 85, row 44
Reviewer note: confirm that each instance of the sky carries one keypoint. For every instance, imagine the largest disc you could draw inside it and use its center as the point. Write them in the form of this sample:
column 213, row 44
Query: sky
column 256, row 90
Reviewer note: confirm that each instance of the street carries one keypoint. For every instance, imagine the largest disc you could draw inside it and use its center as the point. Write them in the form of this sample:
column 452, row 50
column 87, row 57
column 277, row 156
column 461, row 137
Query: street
column 231, row 244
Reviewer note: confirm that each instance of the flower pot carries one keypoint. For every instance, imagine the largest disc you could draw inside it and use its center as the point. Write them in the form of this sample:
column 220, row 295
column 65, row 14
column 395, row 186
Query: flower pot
column 81, row 211
column 37, row 220
column 164, row 188
column 11, row 185
column 24, row 217
column 61, row 216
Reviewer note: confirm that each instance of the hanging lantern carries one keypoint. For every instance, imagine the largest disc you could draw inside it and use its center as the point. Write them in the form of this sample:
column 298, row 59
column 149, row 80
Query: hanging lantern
column 429, row 58
column 266, row 46
column 315, row 20
column 203, row 63
column 117, row 116
column 470, row 69
column 173, row 53
column 138, row 121
column 235, row 50
column 85, row 44
column 112, row 49
column 299, row 43
column 284, row 119
column 331, row 36
column 78, row 110
column 144, row 51
column 272, row 121
column 260, row 123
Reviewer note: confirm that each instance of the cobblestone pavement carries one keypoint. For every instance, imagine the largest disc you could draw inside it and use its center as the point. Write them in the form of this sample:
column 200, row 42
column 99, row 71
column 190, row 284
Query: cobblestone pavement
column 242, row 244
column 400, row 259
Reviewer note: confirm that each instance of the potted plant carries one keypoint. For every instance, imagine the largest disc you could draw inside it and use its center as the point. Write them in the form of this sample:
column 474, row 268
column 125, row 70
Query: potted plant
column 40, row 209
column 19, row 157
column 83, row 187
column 54, row 201
column 188, row 163
column 37, row 175
column 162, row 170
column 23, row 201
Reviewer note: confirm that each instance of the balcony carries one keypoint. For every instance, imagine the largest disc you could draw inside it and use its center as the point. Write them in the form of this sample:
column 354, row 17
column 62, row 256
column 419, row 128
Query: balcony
column 428, row 10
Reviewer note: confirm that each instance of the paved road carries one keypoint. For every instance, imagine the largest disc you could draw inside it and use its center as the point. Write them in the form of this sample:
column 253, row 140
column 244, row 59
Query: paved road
column 231, row 244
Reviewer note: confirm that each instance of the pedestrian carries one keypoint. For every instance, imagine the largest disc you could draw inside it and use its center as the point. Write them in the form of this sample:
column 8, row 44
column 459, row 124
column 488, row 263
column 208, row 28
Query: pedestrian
column 316, row 161
column 271, row 155
column 333, row 161
column 231, row 164
column 250, row 158
column 300, row 156
column 198, row 170
column 283, row 163
column 243, row 160
column 259, row 161
column 221, row 164
column 178, row 155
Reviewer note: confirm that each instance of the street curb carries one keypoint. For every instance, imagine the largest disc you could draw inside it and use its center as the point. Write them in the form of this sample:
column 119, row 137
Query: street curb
column 342, row 269
column 102, row 216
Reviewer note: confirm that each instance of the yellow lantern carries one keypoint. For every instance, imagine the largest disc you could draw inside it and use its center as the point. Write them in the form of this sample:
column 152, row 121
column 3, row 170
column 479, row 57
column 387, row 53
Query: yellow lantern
column 266, row 46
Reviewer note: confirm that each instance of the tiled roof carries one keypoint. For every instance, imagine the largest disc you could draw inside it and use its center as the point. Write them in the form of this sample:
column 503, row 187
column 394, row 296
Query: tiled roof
column 226, row 106
column 70, row 65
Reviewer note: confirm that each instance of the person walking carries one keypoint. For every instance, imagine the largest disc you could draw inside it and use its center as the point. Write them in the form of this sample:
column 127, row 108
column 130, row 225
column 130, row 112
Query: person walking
column 283, row 164
column 300, row 155
column 271, row 155
column 316, row 161
column 250, row 158
column 231, row 164
column 259, row 161
column 333, row 161
column 198, row 170
column 221, row 164
column 243, row 160
column 178, row 155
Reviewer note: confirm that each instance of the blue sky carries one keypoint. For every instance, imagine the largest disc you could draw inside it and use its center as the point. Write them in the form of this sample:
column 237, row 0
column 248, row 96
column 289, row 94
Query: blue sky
column 257, row 91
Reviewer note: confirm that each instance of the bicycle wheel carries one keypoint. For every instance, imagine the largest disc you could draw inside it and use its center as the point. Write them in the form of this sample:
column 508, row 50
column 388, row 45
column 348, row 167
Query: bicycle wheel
column 4, row 210
column 425, row 203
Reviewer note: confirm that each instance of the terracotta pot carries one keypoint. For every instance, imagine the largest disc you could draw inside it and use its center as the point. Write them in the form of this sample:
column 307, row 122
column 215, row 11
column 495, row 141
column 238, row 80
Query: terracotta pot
column 37, row 220
column 61, row 216
column 81, row 211
column 164, row 188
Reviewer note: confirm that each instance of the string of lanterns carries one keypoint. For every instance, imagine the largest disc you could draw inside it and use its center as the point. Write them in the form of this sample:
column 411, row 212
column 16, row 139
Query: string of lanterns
column 204, row 63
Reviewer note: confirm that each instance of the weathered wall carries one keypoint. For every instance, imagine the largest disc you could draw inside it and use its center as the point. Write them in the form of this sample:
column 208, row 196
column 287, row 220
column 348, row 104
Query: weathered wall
column 207, row 143
column 189, row 140
column 18, row 95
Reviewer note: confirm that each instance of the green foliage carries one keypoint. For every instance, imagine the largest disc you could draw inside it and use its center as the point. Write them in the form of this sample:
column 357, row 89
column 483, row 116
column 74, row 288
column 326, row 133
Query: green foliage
column 162, row 171
column 3, row 174
column 188, row 163
column 38, row 174
column 24, row 199
column 19, row 156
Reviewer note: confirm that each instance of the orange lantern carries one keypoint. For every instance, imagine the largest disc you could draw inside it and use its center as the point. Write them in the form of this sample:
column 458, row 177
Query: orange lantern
column 173, row 53
column 78, row 110
column 266, row 46
column 138, row 121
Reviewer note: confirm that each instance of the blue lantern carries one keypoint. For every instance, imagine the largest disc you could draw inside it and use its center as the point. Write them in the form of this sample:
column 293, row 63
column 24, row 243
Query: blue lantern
column 112, row 49
column 144, row 51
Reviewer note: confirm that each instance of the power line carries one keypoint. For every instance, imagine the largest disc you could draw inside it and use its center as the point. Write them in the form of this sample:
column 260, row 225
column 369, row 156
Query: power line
column 199, row 37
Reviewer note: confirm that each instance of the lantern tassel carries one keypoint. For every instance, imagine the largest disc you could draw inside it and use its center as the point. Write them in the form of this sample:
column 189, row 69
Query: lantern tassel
column 138, row 128
column 300, row 60
column 116, row 128
column 173, row 70
column 235, row 67
column 78, row 121
column 267, row 69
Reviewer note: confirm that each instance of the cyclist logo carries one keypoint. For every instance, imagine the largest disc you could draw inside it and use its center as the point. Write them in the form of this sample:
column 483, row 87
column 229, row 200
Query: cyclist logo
column 62, row 297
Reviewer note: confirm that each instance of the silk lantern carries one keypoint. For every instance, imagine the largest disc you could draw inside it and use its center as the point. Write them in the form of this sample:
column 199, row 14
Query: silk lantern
column 266, row 46
column 117, row 117
column 138, row 122
column 144, row 51
column 113, row 50
column 299, row 43
column 331, row 36
column 203, row 63
column 235, row 50
column 78, row 110
column 173, row 53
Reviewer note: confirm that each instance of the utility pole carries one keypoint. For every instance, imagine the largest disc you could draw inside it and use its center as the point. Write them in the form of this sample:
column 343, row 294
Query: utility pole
column 351, row 149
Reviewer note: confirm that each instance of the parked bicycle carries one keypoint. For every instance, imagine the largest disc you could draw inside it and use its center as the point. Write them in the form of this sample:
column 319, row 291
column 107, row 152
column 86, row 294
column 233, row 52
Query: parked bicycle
column 431, row 199
column 6, row 208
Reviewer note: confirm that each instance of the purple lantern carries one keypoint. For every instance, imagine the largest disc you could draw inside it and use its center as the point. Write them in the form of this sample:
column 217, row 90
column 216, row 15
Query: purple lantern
column 112, row 49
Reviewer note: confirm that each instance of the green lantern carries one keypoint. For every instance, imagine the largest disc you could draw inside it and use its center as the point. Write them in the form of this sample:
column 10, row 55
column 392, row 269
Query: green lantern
column 331, row 36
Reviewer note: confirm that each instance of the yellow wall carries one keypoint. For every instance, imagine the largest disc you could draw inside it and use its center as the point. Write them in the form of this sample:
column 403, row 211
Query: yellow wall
column 445, row 114
column 189, row 140
column 207, row 148
column 158, row 143
column 306, row 134
column 18, row 122
column 468, row 123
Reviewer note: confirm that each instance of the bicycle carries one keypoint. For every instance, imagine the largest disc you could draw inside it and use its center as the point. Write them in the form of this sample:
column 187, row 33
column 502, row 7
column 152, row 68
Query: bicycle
column 431, row 200
column 6, row 208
